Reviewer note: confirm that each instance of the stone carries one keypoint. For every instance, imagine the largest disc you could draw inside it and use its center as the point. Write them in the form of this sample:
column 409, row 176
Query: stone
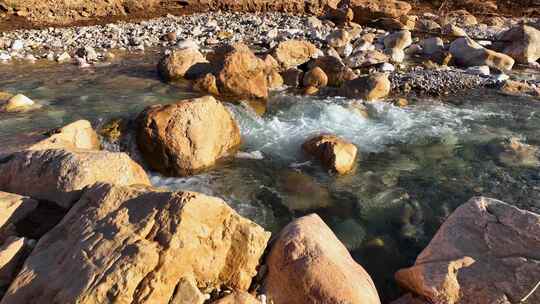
column 398, row 40
column 18, row 103
column 12, row 254
column 395, row 55
column 467, row 52
column 242, row 74
column 478, row 70
column 238, row 297
column 180, row 63
column 13, row 208
column 316, row 78
column 515, row 153
column 427, row 25
column 522, row 42
column 338, row 38
column 302, row 193
column 366, row 59
column 293, row 77
column 290, row 6
column 64, row 57
column 307, row 261
column 182, row 138
column 88, row 53
column 484, row 253
column 17, row 45
column 370, row 87
column 292, row 53
column 432, row 46
column 513, row 87
column 274, row 79
column 207, row 84
column 367, row 10
column 459, row 17
column 335, row 154
column 76, row 135
column 335, row 70
column 141, row 243
column 187, row 292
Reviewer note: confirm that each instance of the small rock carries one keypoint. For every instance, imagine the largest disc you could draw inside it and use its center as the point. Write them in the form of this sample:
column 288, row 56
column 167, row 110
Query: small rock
column 64, row 57
column 315, row 77
column 18, row 103
column 371, row 87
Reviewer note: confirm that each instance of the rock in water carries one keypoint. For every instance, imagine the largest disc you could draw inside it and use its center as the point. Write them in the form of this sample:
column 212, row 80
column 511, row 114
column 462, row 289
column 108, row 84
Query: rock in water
column 486, row 252
column 522, row 42
column 135, row 245
column 292, row 53
column 18, row 103
column 76, row 135
column 336, row 154
column 182, row 138
column 467, row 52
column 181, row 63
column 308, row 264
column 370, row 87
column 368, row 10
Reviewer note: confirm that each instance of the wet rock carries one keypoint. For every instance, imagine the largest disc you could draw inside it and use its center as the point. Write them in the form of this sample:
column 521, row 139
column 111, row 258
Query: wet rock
column 302, row 192
column 371, row 87
column 293, row 77
column 141, row 243
column 307, row 261
column 180, row 63
column 335, row 154
column 522, row 42
column 207, row 84
column 182, row 138
column 315, row 77
column 367, row 10
column 513, row 87
column 76, row 135
column 274, row 79
column 467, row 52
column 398, row 40
column 13, row 208
column 335, row 70
column 18, row 103
column 518, row 154
column 88, row 53
column 292, row 53
column 483, row 253
column 238, row 297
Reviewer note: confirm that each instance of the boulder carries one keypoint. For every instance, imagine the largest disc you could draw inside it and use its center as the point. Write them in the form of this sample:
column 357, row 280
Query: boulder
column 136, row 245
column 206, row 84
column 522, row 42
column 292, row 53
column 334, row 69
column 182, row 63
column 467, row 52
column 76, row 135
column 238, row 297
column 485, row 252
column 308, row 264
column 459, row 17
column 398, row 40
column 18, row 103
column 242, row 74
column 13, row 208
column 12, row 254
column 315, row 77
column 370, row 87
column 182, row 138
column 338, row 38
column 365, row 59
column 368, row 10
column 336, row 154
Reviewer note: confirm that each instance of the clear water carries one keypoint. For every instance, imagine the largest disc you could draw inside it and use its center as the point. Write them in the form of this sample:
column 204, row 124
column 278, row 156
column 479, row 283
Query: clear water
column 417, row 164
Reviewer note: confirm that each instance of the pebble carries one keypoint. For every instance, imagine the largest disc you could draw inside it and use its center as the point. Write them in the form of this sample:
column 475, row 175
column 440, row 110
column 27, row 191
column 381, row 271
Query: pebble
column 17, row 45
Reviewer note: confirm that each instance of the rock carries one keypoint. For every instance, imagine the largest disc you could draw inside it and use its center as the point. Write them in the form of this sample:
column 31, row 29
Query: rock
column 274, row 79
column 467, row 52
column 12, row 254
column 334, row 69
column 395, row 55
column 242, row 74
column 180, row 63
column 522, row 42
column 293, row 77
column 13, row 208
column 307, row 261
column 459, row 17
column 76, row 135
column 291, row 6
column 207, row 84
column 238, row 297
column 17, row 45
column 141, row 243
column 427, row 25
column 187, row 44
column 182, row 138
column 513, row 87
column 171, row 36
column 64, row 57
column 398, row 40
column 367, row 10
column 18, row 103
column 479, row 70
column 371, row 87
column 518, row 154
column 340, row 16
column 187, row 292
column 302, row 193
column 335, row 154
column 453, row 30
column 409, row 299
column 292, row 53
column 88, row 53
column 432, row 46
column 315, row 78
column 484, row 253
column 338, row 38
column 366, row 59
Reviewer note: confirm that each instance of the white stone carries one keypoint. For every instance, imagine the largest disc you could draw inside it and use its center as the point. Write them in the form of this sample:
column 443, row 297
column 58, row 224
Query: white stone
column 63, row 57
column 479, row 70
column 387, row 67
column 17, row 45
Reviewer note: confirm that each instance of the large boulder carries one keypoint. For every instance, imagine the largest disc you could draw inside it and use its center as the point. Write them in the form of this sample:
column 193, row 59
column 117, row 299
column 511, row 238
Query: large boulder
column 486, row 252
column 369, row 87
column 521, row 42
column 292, row 53
column 241, row 73
column 182, row 138
column 335, row 154
column 182, row 63
column 135, row 245
column 466, row 52
column 308, row 264
column 368, row 10
column 13, row 208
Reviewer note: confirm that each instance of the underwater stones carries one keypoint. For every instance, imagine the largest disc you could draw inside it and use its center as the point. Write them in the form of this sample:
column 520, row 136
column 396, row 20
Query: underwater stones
column 302, row 192
column 518, row 154
column 18, row 103
column 182, row 63
column 182, row 138
column 368, row 10
column 522, row 42
column 335, row 154
column 307, row 261
column 350, row 233
column 467, row 52
column 141, row 242
column 292, row 53
column 485, row 252
column 370, row 87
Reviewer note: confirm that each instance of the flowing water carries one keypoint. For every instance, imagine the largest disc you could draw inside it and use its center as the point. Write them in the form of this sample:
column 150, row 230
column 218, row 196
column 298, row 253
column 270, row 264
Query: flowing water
column 416, row 164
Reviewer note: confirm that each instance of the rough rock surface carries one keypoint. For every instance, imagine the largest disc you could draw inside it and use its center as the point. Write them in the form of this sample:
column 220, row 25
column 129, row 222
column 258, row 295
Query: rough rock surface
column 336, row 154
column 368, row 10
column 467, row 52
column 13, row 208
column 188, row 63
column 76, row 135
column 187, row 136
column 239, row 297
column 135, row 244
column 308, row 264
column 370, row 87
column 486, row 252
column 334, row 69
column 522, row 43
column 316, row 7
column 12, row 252
column 292, row 53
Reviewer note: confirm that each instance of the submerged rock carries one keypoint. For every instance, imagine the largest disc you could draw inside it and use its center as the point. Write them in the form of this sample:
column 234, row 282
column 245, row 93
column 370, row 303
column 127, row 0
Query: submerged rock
column 336, row 154
column 467, row 52
column 182, row 63
column 182, row 138
column 307, row 261
column 370, row 87
column 141, row 243
column 484, row 253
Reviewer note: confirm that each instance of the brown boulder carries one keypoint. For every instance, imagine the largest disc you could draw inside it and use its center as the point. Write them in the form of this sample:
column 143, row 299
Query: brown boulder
column 12, row 254
column 238, row 297
column 315, row 78
column 335, row 70
column 370, row 87
column 522, row 42
column 188, row 136
column 368, row 10
column 183, row 63
column 486, row 252
column 292, row 53
column 135, row 245
column 308, row 264
column 336, row 154
column 207, row 84
column 76, row 135
column 13, row 208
